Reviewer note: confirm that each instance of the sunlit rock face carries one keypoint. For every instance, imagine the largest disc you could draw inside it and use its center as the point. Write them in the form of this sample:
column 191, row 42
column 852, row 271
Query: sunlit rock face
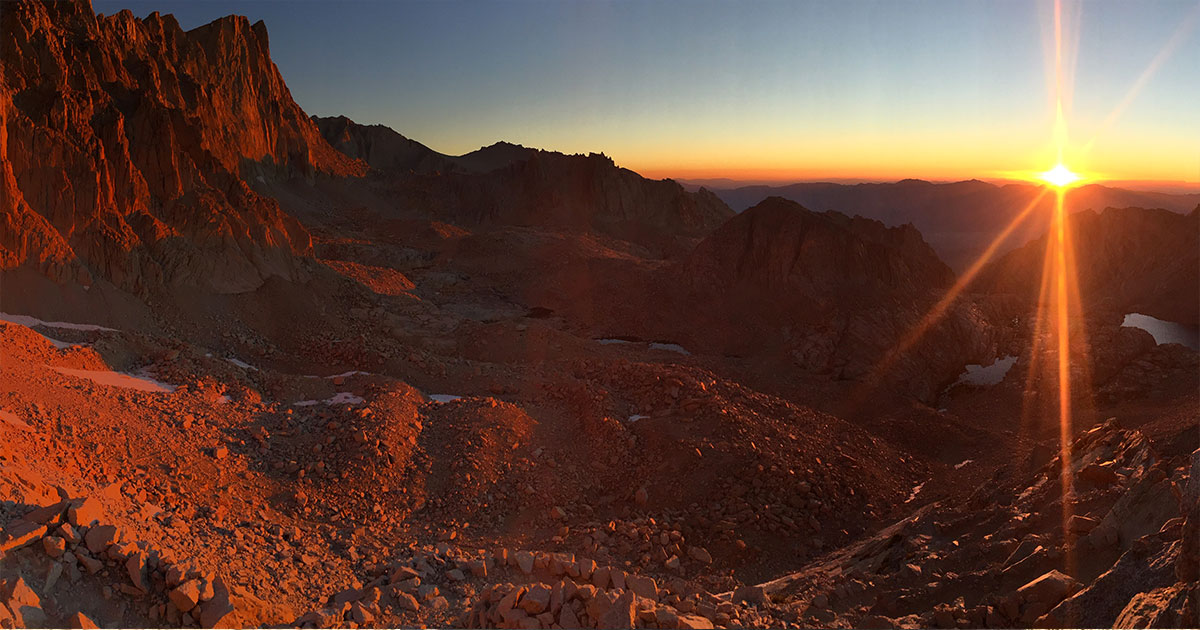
column 127, row 146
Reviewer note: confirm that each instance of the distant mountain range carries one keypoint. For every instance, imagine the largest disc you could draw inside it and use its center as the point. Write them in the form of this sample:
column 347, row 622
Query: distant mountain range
column 958, row 219
column 509, row 184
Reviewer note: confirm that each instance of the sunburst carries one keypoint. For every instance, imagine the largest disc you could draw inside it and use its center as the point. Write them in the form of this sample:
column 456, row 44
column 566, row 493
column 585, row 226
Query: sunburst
column 1060, row 176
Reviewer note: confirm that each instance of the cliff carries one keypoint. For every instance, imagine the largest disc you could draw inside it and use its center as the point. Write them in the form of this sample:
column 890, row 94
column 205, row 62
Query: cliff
column 128, row 144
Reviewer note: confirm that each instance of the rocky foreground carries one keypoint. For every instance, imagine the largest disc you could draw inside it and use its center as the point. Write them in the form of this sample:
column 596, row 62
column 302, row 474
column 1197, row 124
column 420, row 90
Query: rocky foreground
column 361, row 502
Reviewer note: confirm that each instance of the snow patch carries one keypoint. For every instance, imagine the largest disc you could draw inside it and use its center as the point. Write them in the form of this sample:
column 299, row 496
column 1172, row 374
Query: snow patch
column 240, row 363
column 349, row 374
column 443, row 398
column 964, row 462
column 654, row 345
column 987, row 374
column 61, row 345
column 1164, row 331
column 670, row 347
column 635, row 417
column 342, row 375
column 343, row 398
column 140, row 382
column 30, row 322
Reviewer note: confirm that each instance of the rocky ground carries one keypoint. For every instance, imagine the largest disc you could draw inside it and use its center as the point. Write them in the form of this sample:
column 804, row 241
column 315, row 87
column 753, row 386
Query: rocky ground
column 531, row 477
column 312, row 373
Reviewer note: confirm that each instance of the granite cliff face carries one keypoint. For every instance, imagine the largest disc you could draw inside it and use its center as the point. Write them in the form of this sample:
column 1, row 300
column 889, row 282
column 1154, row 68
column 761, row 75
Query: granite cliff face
column 128, row 144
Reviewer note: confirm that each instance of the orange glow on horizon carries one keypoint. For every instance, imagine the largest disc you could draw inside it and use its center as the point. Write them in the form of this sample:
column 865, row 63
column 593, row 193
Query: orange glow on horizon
column 1143, row 174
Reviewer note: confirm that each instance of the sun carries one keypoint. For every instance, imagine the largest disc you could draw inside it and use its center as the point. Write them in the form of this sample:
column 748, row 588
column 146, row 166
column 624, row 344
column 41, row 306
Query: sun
column 1060, row 176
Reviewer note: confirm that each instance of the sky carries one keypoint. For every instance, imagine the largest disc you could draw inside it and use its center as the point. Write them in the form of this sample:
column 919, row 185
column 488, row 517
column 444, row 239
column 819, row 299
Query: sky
column 764, row 90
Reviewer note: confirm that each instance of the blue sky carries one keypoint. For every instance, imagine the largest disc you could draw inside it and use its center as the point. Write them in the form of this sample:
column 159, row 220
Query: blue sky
column 794, row 89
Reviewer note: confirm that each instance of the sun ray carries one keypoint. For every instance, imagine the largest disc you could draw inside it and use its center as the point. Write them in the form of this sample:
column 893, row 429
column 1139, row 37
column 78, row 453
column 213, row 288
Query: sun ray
column 1060, row 314
column 1062, row 332
column 1031, row 401
column 1178, row 37
column 876, row 375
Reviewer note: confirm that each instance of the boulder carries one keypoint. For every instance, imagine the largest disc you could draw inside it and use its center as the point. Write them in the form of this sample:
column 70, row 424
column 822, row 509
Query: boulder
column 700, row 554
column 621, row 614
column 525, row 562
column 1049, row 589
column 406, row 601
column 185, row 596
column 85, row 512
column 54, row 546
column 536, row 599
column 1159, row 608
column 47, row 514
column 750, row 594
column 217, row 611
column 600, row 577
column 19, row 533
column 99, row 538
column 1141, row 569
column 567, row 618
column 1142, row 510
column 1097, row 475
column 135, row 566
column 694, row 622
column 642, row 586
column 25, row 604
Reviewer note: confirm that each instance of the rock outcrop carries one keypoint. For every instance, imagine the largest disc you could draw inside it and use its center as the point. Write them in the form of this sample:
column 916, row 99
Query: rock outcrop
column 128, row 143
column 1127, row 259
column 1003, row 558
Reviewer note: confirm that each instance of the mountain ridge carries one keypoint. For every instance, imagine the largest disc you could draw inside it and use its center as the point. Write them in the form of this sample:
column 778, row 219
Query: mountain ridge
column 959, row 219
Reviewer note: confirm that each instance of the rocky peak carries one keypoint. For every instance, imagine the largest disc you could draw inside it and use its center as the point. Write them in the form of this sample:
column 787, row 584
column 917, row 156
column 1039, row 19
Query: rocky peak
column 780, row 244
